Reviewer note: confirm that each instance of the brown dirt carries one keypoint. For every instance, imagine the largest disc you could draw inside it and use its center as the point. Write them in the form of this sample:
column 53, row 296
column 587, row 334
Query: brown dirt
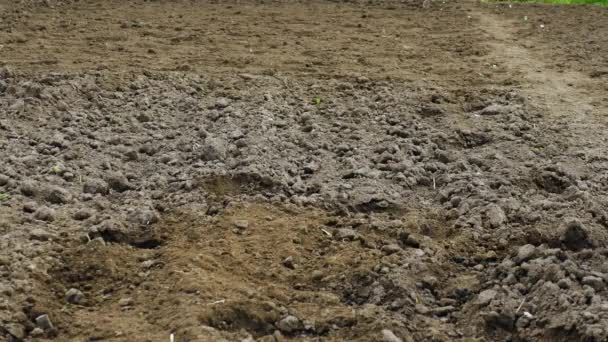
column 221, row 201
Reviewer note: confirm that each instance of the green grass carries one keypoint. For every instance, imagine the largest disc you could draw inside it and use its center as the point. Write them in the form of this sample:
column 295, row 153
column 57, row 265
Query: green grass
column 569, row 2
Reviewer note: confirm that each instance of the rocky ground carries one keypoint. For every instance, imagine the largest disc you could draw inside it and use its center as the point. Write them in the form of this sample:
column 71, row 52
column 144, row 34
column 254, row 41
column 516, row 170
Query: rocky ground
column 303, row 171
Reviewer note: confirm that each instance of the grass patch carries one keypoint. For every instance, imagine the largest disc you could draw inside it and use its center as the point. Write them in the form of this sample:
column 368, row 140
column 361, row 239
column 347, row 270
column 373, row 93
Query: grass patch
column 569, row 2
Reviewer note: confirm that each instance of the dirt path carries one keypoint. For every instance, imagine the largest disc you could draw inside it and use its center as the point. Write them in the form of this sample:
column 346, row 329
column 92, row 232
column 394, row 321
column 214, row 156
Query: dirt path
column 565, row 94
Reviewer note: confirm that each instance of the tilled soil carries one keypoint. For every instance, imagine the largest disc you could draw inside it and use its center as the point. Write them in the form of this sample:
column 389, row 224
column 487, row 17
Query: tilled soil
column 306, row 171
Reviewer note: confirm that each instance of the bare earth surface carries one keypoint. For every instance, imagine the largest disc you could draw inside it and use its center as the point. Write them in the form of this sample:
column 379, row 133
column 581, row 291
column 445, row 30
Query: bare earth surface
column 303, row 171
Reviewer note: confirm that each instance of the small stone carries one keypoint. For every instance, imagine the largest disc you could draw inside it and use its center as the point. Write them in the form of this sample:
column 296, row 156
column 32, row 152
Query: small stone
column 40, row 235
column 443, row 310
column 214, row 149
column 430, row 282
column 30, row 207
column 391, row 249
column 15, row 329
column 345, row 234
column 311, row 168
column 44, row 322
column 4, row 180
column 495, row 109
column 57, row 140
column 422, row 309
column 28, row 188
column 525, row 253
column 317, row 275
column 288, row 262
column 74, row 296
column 564, row 283
column 596, row 282
column 118, row 182
column 278, row 336
column 221, row 103
column 82, row 214
column 485, row 297
column 150, row 263
column 57, row 195
column 241, row 224
column 37, row 332
column 98, row 241
column 411, row 241
column 144, row 217
column 389, row 336
column 125, row 301
column 95, row 186
column 289, row 324
column 495, row 216
column 143, row 117
column 45, row 214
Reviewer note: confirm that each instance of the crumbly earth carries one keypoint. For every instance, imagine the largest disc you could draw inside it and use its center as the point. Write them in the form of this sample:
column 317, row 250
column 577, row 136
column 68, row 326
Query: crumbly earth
column 303, row 171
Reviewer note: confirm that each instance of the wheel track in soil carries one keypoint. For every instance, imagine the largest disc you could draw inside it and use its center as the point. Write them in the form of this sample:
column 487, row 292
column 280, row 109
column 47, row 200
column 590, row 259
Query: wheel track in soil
column 564, row 95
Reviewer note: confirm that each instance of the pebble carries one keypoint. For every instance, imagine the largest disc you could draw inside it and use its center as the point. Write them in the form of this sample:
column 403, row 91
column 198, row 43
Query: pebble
column 241, row 224
column 74, row 296
column 525, row 253
column 289, row 324
column 317, row 275
column 82, row 214
column 443, row 310
column 391, row 249
column 57, row 195
column 345, row 234
column 4, row 180
column 28, row 188
column 30, row 207
column 411, row 241
column 430, row 282
column 118, row 182
column 496, row 109
column 40, row 235
column 95, row 186
column 143, row 217
column 564, row 283
column 44, row 322
column 15, row 329
column 485, row 297
column 45, row 214
column 288, row 262
column 214, row 149
column 37, row 332
column 596, row 282
column 221, row 103
column 496, row 216
column 150, row 263
column 128, row 301
column 389, row 336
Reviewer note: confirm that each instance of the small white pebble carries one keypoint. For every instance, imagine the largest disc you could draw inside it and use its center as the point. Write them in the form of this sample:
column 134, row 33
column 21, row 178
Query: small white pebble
column 527, row 314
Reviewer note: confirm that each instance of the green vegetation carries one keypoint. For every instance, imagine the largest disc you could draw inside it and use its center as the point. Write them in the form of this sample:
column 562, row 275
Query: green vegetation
column 56, row 169
column 4, row 197
column 569, row 2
